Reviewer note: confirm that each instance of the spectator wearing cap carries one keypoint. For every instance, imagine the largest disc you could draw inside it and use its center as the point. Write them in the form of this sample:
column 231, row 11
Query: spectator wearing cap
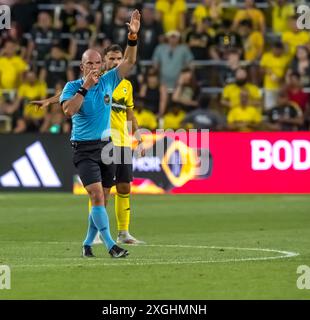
column 169, row 58
column 274, row 64
column 171, row 13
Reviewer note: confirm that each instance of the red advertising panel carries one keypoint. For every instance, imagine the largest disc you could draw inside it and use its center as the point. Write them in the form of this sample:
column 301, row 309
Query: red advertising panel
column 261, row 162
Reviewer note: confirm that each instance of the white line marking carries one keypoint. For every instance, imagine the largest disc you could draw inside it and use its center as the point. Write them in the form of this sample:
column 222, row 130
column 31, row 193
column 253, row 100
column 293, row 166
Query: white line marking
column 154, row 261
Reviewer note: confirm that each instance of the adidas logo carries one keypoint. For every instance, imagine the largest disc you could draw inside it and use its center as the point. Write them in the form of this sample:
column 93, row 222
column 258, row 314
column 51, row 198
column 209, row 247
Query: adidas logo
column 32, row 170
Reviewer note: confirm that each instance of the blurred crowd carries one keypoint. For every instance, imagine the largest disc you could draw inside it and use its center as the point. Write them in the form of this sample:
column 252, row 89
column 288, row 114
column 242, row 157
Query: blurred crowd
column 221, row 65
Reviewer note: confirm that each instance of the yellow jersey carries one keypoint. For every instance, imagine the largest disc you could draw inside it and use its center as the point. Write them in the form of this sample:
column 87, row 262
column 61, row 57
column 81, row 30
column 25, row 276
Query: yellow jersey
column 295, row 39
column 275, row 69
column 122, row 99
column 33, row 92
column 203, row 11
column 232, row 92
column 146, row 119
column 253, row 14
column 280, row 16
column 174, row 121
column 253, row 46
column 10, row 70
column 171, row 13
column 248, row 114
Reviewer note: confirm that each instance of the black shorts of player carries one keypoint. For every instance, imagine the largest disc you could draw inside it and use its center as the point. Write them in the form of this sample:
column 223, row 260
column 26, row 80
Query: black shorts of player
column 123, row 156
column 92, row 162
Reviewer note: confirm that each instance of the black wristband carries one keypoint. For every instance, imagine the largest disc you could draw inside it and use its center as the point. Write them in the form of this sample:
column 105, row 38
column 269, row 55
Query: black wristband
column 132, row 43
column 82, row 91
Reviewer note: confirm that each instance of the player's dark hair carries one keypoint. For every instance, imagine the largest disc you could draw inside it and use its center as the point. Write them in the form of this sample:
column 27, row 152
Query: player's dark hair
column 113, row 48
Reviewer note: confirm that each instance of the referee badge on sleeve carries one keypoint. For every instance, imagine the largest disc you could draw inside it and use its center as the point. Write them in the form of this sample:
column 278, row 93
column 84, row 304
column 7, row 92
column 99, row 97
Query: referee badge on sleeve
column 107, row 99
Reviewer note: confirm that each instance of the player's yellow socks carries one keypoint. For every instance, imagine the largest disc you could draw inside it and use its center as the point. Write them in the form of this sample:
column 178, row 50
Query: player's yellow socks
column 122, row 211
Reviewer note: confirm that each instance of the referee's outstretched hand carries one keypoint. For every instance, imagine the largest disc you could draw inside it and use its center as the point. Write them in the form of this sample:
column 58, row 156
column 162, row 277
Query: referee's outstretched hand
column 91, row 79
column 134, row 25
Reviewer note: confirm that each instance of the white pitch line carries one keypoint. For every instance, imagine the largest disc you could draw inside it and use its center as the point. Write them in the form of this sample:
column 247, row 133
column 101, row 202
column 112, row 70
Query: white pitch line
column 144, row 262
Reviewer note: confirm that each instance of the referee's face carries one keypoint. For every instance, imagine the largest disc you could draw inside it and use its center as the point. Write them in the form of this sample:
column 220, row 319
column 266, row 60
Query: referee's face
column 91, row 61
column 113, row 59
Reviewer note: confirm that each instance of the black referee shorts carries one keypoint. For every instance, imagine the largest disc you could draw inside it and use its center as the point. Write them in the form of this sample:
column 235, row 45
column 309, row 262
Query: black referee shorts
column 88, row 159
column 123, row 156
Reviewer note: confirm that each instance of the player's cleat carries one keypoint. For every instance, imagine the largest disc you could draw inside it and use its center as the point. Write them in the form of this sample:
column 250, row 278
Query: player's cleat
column 87, row 252
column 117, row 252
column 128, row 239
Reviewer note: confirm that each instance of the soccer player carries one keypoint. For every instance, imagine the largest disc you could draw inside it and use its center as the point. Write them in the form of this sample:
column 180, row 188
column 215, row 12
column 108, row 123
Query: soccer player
column 122, row 111
column 88, row 102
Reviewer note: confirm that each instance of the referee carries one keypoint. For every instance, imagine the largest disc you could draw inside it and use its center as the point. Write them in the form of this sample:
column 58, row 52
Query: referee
column 88, row 102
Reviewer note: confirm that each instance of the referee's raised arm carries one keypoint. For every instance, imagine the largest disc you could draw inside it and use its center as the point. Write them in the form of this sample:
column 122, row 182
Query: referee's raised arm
column 130, row 54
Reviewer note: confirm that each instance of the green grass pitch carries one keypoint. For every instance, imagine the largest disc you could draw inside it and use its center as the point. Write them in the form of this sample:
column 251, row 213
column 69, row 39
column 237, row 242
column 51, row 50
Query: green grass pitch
column 198, row 247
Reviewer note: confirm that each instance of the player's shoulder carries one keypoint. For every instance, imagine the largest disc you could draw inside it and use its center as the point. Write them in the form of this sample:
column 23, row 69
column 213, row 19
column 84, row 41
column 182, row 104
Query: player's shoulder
column 125, row 83
column 74, row 83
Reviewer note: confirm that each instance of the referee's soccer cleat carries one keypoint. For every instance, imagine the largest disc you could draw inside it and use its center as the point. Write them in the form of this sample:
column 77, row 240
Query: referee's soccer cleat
column 87, row 252
column 117, row 252
column 128, row 239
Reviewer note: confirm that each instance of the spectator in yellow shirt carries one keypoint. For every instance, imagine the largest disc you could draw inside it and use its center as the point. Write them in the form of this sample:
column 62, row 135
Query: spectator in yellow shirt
column 245, row 117
column 145, row 118
column 295, row 37
column 211, row 9
column 171, row 13
column 174, row 118
column 31, row 118
column 231, row 92
column 12, row 67
column 253, row 41
column 252, row 13
column 281, row 12
column 274, row 65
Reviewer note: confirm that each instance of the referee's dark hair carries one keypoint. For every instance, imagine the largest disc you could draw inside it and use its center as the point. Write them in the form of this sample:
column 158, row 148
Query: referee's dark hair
column 113, row 48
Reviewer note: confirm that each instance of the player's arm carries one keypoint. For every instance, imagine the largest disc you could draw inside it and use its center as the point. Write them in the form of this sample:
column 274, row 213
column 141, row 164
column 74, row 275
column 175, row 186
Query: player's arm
column 45, row 103
column 130, row 54
column 72, row 106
